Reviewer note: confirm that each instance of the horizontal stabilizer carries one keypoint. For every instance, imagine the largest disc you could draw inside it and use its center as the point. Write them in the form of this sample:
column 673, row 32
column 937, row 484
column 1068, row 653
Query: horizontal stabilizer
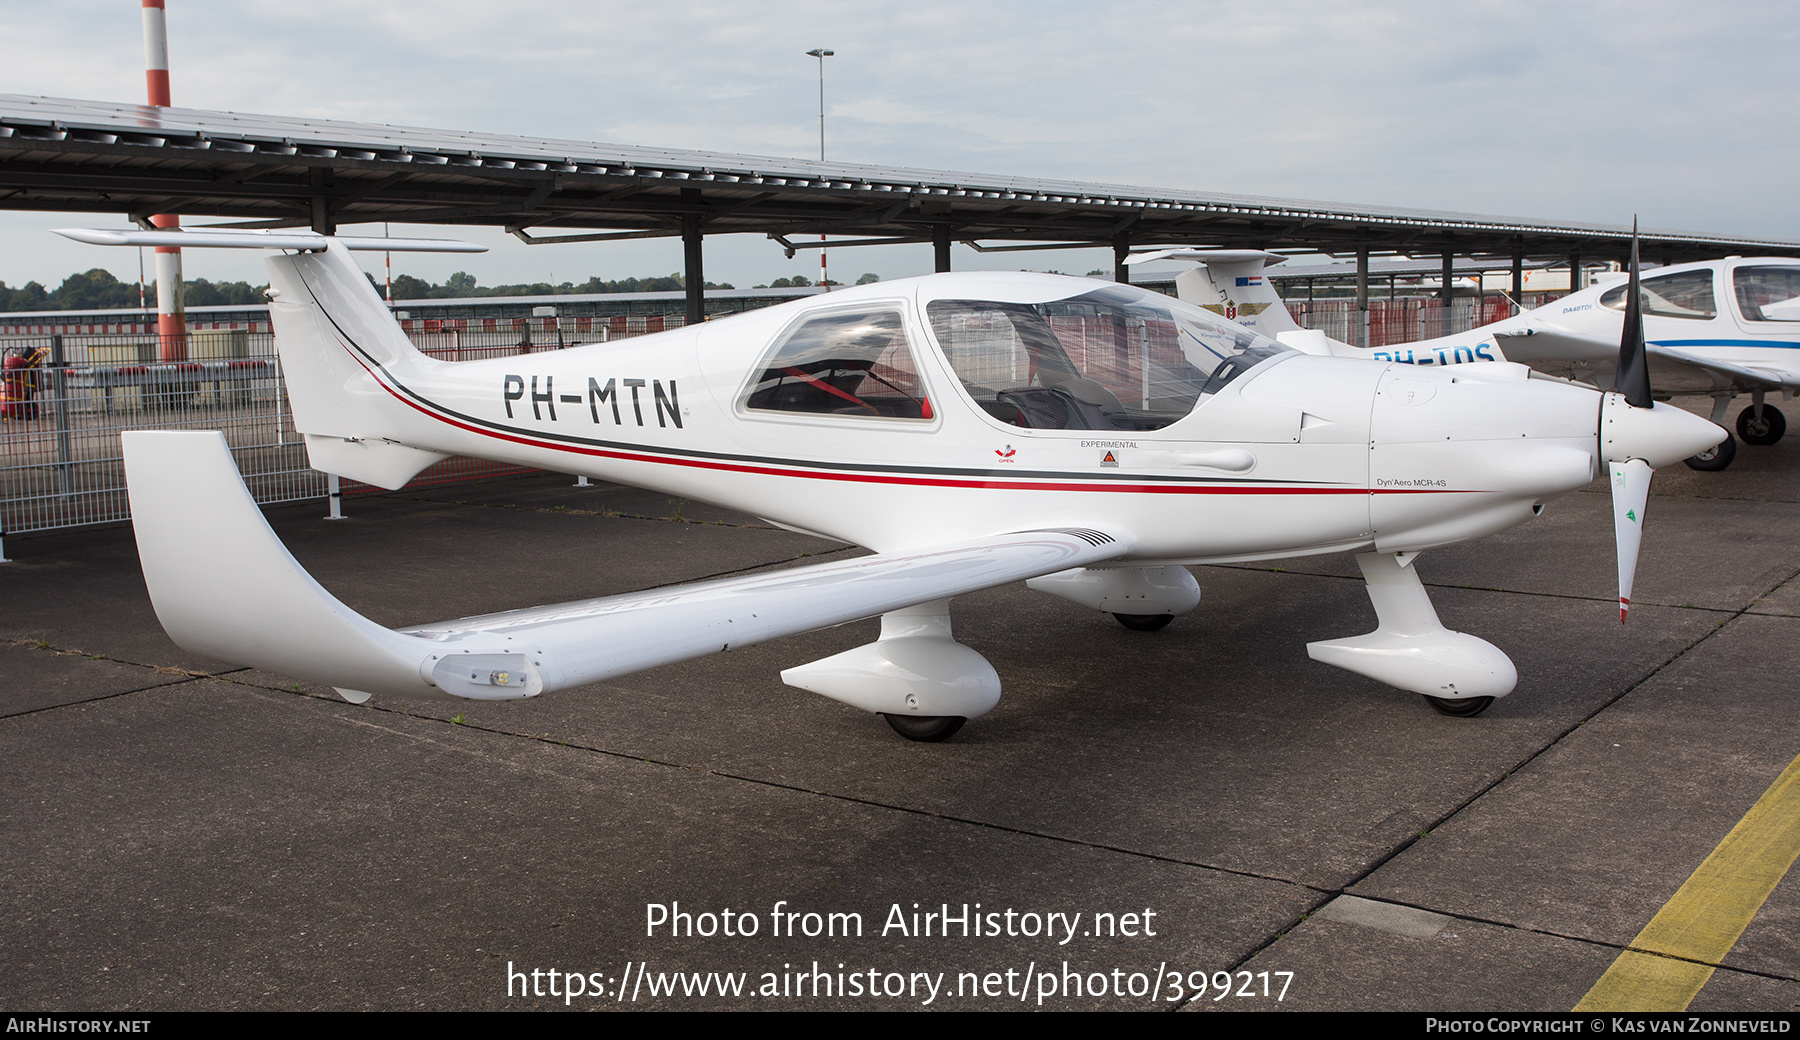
column 1217, row 256
column 222, row 238
column 223, row 585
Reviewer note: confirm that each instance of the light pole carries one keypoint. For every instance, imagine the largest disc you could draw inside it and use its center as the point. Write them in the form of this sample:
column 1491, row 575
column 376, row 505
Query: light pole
column 821, row 53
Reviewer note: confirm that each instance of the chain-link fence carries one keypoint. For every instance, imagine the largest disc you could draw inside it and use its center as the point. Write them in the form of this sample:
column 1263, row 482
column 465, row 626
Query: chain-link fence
column 1392, row 321
column 65, row 397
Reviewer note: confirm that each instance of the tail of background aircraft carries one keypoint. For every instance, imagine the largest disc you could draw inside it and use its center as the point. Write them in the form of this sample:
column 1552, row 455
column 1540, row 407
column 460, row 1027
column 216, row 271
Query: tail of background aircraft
column 1230, row 283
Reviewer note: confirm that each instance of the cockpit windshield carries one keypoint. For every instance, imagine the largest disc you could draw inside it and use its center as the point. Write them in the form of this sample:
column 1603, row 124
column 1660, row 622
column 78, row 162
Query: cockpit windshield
column 1115, row 358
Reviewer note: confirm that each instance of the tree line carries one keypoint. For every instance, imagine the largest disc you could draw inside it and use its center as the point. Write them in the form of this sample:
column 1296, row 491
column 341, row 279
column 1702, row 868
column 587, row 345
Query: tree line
column 800, row 281
column 98, row 289
column 462, row 285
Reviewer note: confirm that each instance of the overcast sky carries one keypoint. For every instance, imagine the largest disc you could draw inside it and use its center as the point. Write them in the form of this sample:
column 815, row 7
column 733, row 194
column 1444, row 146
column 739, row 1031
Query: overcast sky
column 1683, row 113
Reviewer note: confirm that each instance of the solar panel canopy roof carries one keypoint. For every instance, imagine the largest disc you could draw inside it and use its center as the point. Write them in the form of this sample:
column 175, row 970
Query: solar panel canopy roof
column 275, row 171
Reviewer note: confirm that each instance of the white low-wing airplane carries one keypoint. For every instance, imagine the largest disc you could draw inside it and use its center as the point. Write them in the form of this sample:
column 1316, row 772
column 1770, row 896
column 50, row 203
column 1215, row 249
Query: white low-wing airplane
column 1718, row 328
column 970, row 429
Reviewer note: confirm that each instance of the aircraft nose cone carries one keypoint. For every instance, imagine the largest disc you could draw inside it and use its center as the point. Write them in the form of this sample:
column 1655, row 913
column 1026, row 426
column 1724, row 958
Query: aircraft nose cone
column 1660, row 435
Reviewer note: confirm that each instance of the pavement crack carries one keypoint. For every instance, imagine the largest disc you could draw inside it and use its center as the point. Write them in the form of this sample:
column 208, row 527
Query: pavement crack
column 69, row 651
column 834, row 796
column 1551, row 933
column 61, row 651
column 96, row 699
column 1458, row 809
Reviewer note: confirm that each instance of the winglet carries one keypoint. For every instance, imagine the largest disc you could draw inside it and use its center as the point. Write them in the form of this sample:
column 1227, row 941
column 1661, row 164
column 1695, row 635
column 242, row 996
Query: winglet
column 224, row 586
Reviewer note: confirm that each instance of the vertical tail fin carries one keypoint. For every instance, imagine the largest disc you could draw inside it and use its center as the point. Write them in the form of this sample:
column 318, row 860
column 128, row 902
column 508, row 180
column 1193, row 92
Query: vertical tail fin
column 339, row 345
column 335, row 335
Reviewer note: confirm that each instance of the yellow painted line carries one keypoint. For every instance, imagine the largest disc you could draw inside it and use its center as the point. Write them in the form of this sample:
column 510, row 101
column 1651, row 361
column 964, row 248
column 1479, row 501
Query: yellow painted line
column 1672, row 958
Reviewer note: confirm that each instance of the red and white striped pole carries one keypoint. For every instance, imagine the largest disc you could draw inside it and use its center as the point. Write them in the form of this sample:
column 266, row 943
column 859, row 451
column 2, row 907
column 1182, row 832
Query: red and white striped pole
column 171, row 320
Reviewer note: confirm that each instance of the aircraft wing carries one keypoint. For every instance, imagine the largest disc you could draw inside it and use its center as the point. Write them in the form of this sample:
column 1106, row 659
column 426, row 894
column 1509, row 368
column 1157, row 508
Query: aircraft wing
column 1535, row 343
column 1740, row 376
column 224, row 586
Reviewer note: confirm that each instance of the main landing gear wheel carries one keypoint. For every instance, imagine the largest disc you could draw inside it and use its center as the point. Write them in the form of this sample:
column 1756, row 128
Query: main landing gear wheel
column 1764, row 431
column 926, row 729
column 1716, row 457
column 1145, row 622
column 1459, row 707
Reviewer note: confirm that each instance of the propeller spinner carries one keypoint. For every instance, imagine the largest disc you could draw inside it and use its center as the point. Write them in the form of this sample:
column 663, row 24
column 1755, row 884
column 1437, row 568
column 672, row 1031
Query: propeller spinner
column 1637, row 435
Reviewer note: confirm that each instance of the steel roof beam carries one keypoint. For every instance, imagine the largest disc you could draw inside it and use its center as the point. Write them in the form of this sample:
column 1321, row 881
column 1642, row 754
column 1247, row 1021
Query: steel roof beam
column 60, row 155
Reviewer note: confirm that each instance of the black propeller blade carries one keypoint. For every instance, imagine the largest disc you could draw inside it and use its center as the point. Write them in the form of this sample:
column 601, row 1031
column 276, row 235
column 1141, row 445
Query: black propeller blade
column 1633, row 376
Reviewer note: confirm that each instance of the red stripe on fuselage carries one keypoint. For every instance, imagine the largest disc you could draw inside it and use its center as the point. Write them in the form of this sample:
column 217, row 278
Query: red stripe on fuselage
column 890, row 478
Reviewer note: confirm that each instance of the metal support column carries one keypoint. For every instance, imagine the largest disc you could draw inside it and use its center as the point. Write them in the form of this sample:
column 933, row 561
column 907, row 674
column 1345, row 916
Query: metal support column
column 1574, row 272
column 319, row 178
column 1362, row 297
column 59, row 404
column 1121, row 250
column 1518, row 279
column 940, row 245
column 695, row 275
column 1446, row 294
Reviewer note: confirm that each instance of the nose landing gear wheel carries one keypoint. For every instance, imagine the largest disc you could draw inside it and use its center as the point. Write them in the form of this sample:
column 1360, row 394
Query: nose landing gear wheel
column 1716, row 457
column 1145, row 622
column 1764, row 431
column 1459, row 707
column 927, row 729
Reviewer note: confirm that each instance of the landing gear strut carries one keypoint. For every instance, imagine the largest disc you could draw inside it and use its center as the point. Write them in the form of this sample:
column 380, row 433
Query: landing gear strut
column 1412, row 650
column 916, row 676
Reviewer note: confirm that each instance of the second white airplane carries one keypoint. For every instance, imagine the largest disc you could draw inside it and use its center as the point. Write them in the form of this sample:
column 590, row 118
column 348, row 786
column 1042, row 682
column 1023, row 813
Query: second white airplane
column 1718, row 328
